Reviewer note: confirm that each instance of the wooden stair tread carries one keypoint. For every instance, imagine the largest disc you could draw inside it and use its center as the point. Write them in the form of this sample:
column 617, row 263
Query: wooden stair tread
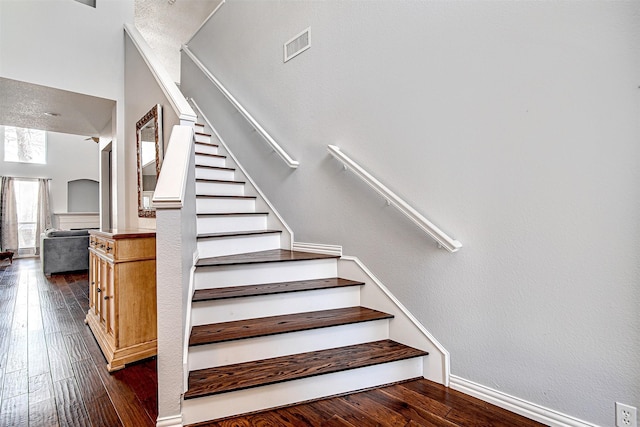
column 245, row 375
column 202, row 133
column 215, row 167
column 221, row 181
column 211, row 155
column 273, row 325
column 272, row 255
column 209, row 144
column 202, row 215
column 223, row 196
column 271, row 288
column 237, row 233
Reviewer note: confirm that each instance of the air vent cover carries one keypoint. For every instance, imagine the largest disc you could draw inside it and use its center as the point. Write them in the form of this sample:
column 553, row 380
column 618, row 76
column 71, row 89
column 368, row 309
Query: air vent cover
column 297, row 45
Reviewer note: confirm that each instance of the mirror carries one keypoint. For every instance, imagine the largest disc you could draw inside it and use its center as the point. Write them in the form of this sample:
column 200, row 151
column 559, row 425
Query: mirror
column 149, row 147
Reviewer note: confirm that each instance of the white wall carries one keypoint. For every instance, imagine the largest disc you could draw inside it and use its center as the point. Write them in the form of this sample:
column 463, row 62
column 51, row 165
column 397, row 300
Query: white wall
column 511, row 125
column 69, row 157
column 142, row 93
column 65, row 44
column 68, row 45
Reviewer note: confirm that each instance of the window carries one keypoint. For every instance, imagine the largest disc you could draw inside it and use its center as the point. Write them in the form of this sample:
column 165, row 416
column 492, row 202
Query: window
column 27, row 207
column 25, row 145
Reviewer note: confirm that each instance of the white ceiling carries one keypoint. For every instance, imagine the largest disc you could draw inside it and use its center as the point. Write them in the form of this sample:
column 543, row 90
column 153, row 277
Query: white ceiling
column 25, row 104
column 166, row 25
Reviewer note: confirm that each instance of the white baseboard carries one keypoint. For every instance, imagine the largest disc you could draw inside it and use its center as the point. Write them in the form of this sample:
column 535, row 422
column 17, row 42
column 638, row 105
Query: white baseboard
column 514, row 404
column 174, row 421
column 318, row 248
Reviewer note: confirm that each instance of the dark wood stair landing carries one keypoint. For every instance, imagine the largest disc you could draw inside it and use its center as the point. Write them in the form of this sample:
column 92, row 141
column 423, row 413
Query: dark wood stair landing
column 205, row 382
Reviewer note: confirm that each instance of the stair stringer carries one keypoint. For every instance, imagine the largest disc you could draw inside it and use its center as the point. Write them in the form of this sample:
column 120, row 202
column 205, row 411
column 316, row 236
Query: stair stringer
column 404, row 328
column 274, row 219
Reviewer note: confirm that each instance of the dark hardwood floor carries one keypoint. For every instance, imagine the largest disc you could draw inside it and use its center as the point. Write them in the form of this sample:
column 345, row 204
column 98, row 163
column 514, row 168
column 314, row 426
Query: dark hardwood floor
column 52, row 373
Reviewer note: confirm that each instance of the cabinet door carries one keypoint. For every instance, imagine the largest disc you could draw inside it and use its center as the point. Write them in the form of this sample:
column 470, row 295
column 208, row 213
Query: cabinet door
column 110, row 300
column 94, row 283
column 101, row 303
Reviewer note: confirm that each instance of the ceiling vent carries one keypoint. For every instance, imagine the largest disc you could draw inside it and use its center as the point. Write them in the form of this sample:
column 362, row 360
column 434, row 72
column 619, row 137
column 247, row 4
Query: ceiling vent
column 297, row 45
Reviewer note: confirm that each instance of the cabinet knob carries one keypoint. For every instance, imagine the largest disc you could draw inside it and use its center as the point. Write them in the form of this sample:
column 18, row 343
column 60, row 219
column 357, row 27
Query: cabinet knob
column 109, row 248
column 99, row 290
column 106, row 297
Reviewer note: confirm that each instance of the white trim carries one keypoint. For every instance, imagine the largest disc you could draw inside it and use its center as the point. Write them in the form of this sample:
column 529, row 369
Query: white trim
column 172, row 182
column 205, row 21
column 248, row 178
column 168, row 86
column 443, row 374
column 175, row 421
column 519, row 406
column 393, row 199
column 187, row 323
column 318, row 248
column 265, row 135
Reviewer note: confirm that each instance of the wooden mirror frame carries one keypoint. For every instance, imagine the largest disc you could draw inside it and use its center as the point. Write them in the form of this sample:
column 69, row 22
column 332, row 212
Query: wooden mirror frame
column 153, row 116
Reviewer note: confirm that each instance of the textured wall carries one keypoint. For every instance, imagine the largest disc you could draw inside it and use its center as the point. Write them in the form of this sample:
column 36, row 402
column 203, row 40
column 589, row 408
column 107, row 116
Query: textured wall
column 61, row 148
column 142, row 93
column 511, row 125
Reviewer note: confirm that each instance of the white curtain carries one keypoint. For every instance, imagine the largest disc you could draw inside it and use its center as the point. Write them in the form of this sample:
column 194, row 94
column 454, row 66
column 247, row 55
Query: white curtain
column 43, row 220
column 8, row 216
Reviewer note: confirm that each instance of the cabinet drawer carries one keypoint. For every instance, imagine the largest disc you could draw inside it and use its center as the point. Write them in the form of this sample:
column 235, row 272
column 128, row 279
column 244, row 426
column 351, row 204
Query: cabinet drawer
column 102, row 245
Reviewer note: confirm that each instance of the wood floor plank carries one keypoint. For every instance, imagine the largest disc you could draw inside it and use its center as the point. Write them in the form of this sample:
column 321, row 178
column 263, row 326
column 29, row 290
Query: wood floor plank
column 38, row 362
column 347, row 412
column 270, row 371
column 15, row 383
column 14, row 412
column 59, row 364
column 337, row 421
column 43, row 413
column 467, row 410
column 40, row 388
column 264, row 326
column 76, row 348
column 69, row 405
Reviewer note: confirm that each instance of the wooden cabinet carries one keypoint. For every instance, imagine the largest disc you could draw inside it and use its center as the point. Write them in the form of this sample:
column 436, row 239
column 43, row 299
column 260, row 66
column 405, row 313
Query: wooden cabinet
column 122, row 294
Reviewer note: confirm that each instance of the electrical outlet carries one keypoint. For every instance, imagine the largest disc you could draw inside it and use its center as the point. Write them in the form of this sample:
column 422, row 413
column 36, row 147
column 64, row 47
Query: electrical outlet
column 625, row 416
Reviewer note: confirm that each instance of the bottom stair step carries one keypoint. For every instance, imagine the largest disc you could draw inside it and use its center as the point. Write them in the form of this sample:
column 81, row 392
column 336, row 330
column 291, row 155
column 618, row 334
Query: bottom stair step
column 242, row 376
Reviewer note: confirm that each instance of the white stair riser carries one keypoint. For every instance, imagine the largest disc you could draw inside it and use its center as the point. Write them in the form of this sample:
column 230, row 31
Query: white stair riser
column 223, row 223
column 208, row 173
column 206, row 149
column 273, row 272
column 247, row 350
column 232, row 245
column 210, row 161
column 275, row 395
column 231, row 309
column 219, row 189
column 221, row 205
column 202, row 138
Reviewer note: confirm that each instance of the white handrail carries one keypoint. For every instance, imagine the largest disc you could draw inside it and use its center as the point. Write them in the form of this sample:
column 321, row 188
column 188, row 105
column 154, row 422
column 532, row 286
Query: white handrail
column 177, row 100
column 274, row 145
column 427, row 226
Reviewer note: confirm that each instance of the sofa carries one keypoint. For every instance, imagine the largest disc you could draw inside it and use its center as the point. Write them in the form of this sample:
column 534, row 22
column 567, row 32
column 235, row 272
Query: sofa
column 64, row 250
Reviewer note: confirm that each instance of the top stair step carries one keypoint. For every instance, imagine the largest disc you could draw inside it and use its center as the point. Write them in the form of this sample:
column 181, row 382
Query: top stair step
column 271, row 289
column 240, row 376
column 272, row 255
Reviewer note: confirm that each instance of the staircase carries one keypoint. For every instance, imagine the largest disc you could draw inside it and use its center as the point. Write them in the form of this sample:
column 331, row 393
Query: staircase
column 271, row 326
